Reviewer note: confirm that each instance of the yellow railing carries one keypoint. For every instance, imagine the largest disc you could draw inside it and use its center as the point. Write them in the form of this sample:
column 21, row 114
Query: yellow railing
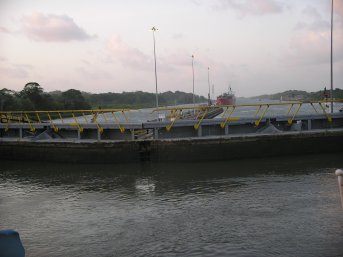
column 58, row 117
column 77, row 118
column 228, row 111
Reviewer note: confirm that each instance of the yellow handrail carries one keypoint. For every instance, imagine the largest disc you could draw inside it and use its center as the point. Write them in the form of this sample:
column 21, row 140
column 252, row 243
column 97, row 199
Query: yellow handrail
column 122, row 129
column 32, row 129
column 77, row 123
column 196, row 126
column 52, row 124
column 261, row 106
column 174, row 116
column 26, row 116
column 326, row 114
column 104, row 116
column 94, row 120
column 290, row 120
column 257, row 122
column 222, row 125
column 199, row 114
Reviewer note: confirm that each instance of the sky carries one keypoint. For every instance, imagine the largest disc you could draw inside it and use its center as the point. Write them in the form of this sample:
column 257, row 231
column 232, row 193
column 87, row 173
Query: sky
column 256, row 46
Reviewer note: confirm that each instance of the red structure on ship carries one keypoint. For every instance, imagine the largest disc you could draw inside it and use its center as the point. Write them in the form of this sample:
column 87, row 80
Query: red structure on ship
column 228, row 98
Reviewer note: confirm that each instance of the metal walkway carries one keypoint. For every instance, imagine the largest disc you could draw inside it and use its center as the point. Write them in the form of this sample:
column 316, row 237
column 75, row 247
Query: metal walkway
column 115, row 124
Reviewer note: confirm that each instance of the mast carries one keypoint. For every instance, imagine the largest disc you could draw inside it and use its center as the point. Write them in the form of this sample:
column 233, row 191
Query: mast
column 153, row 35
column 193, row 78
column 209, row 86
column 331, row 71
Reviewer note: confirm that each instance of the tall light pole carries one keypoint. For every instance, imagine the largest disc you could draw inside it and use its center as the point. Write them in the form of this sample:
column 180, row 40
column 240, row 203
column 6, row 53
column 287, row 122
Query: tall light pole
column 193, row 78
column 331, row 93
column 209, row 86
column 154, row 29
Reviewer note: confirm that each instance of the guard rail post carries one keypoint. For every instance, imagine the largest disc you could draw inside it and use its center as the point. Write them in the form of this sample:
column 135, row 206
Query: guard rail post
column 339, row 174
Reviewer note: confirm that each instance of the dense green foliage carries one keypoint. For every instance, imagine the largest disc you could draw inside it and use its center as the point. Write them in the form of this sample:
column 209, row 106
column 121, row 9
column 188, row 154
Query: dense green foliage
column 32, row 97
column 140, row 99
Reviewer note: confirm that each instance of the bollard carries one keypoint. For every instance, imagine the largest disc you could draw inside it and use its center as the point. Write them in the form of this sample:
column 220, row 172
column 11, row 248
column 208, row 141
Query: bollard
column 10, row 244
column 339, row 174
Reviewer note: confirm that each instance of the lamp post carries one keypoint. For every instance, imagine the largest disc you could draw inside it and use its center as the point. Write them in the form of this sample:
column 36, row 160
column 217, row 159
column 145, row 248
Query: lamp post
column 209, row 86
column 154, row 29
column 193, row 79
column 213, row 90
column 331, row 77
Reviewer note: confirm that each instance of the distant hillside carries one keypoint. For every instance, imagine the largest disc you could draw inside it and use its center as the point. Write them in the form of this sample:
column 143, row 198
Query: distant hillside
column 139, row 99
column 301, row 95
column 33, row 97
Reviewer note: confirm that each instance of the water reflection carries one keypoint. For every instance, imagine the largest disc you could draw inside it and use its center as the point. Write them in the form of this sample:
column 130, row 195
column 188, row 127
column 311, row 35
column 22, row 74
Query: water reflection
column 160, row 177
column 264, row 207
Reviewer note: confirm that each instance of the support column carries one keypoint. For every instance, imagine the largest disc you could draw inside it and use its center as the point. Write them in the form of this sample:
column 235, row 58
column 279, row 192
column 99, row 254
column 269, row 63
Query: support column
column 200, row 131
column 226, row 129
column 98, row 135
column 339, row 174
column 155, row 133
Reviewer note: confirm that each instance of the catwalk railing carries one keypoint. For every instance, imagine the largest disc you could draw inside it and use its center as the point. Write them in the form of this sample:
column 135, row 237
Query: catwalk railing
column 121, row 120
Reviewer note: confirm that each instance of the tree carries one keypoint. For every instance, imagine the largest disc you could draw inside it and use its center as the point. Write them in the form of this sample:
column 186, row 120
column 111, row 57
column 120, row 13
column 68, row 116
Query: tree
column 8, row 100
column 33, row 98
column 74, row 100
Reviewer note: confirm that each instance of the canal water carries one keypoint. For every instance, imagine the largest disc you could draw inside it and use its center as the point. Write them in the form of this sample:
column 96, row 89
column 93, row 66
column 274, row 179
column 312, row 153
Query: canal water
column 287, row 206
column 144, row 115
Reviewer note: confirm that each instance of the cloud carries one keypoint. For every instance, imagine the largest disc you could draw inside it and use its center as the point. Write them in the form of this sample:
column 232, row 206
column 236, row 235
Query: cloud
column 14, row 71
column 94, row 74
column 127, row 55
column 256, row 7
column 338, row 7
column 311, row 12
column 197, row 2
column 52, row 27
column 178, row 36
column 180, row 58
column 310, row 43
column 3, row 30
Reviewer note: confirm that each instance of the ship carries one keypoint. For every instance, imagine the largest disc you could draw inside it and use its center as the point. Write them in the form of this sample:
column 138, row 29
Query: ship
column 227, row 98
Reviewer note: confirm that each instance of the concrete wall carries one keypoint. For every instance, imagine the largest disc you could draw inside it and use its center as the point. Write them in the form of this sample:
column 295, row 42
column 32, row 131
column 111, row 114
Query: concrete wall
column 192, row 149
column 180, row 129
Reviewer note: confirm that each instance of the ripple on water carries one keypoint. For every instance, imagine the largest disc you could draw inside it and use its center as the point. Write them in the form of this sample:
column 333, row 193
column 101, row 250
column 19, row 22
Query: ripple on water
column 178, row 210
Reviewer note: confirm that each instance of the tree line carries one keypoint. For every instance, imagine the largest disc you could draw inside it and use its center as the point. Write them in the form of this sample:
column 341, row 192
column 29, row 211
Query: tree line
column 33, row 97
column 303, row 95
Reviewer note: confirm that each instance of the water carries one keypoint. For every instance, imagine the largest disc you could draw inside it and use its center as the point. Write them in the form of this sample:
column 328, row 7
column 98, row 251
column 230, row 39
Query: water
column 143, row 115
column 285, row 206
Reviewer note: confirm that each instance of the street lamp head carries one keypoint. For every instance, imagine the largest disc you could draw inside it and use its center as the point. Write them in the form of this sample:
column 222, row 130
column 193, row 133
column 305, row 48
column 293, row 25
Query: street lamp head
column 154, row 29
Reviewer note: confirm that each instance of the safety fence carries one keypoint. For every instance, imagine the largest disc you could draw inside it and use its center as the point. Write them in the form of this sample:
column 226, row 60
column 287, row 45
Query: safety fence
column 74, row 118
column 171, row 115
column 229, row 111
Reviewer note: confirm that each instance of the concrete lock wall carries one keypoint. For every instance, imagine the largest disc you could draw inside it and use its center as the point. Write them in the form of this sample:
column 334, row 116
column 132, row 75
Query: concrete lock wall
column 154, row 142
column 193, row 149
column 179, row 129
